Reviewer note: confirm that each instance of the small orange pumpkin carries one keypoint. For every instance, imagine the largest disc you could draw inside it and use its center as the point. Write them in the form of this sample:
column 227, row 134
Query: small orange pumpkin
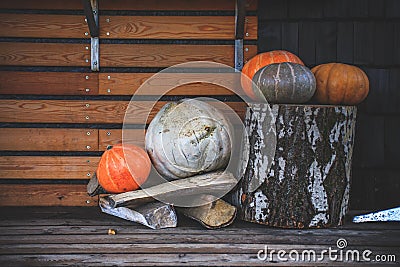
column 261, row 60
column 123, row 168
column 339, row 83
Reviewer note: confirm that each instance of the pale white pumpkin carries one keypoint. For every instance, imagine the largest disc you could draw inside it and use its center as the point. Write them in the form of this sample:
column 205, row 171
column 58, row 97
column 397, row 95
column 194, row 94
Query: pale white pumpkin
column 187, row 138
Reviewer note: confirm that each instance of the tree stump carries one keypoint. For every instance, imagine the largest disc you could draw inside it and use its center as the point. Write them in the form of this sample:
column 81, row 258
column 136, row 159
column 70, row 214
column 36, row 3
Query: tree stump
column 309, row 180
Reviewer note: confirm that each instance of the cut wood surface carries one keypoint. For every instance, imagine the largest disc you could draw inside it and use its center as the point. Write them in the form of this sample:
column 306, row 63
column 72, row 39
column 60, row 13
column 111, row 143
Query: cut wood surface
column 45, row 195
column 165, row 55
column 42, row 139
column 43, row 26
column 208, row 183
column 174, row 27
column 114, row 136
column 78, row 111
column 44, row 54
column 128, row 83
column 48, row 83
column 129, row 5
column 47, row 167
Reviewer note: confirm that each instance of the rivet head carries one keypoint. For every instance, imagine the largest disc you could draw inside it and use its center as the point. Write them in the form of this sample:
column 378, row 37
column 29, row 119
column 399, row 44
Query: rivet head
column 88, row 174
column 88, row 161
column 87, row 47
column 87, row 201
column 85, row 20
column 86, row 33
column 95, row 63
column 247, row 34
column 87, row 77
column 87, row 90
column 88, row 133
column 108, row 77
column 108, row 90
column 108, row 133
column 87, row 105
column 108, row 33
column 88, row 147
column 86, row 60
column 87, row 117
column 246, row 49
column 107, row 19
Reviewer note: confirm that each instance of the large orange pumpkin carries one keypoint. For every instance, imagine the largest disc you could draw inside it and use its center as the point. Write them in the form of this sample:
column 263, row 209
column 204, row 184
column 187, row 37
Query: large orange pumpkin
column 123, row 168
column 261, row 60
column 339, row 83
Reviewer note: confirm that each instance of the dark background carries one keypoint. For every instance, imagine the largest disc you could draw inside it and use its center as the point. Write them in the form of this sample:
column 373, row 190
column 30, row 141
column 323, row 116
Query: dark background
column 365, row 33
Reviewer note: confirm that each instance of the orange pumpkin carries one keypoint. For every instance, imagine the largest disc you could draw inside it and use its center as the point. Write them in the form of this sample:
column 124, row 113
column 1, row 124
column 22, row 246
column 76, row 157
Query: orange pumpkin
column 261, row 60
column 339, row 83
column 123, row 168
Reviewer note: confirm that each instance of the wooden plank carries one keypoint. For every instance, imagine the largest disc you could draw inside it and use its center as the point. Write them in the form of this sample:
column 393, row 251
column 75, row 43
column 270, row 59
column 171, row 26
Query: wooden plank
column 114, row 136
column 128, row 83
column 47, row 167
column 307, row 38
column 363, row 34
column 173, row 5
column 270, row 35
column 174, row 27
column 45, row 195
column 44, row 139
column 325, row 44
column 77, row 111
column 345, row 42
column 290, row 37
column 48, row 83
column 165, row 55
column 44, row 54
column 42, row 26
column 42, row 4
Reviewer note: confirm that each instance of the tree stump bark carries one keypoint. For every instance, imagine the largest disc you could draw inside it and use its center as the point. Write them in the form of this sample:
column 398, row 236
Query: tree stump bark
column 308, row 183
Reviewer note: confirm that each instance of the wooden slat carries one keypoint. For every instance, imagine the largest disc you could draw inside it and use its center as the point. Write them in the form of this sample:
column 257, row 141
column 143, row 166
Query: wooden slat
column 48, row 83
column 128, row 83
column 114, row 136
column 47, row 167
column 77, row 111
column 174, row 5
column 42, row 4
column 38, row 139
column 44, row 54
column 45, row 26
column 165, row 55
column 174, row 27
column 45, row 195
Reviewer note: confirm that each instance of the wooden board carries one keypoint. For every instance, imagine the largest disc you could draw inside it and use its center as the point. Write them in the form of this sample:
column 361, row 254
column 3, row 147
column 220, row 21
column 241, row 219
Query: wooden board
column 114, row 136
column 44, row 54
column 48, row 83
column 174, row 27
column 77, row 111
column 45, row 26
column 45, row 195
column 47, row 167
column 44, row 139
column 128, row 83
column 128, row 4
column 165, row 55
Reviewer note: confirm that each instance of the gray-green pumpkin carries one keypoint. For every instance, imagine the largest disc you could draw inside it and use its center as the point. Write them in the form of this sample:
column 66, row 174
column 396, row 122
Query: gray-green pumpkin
column 285, row 83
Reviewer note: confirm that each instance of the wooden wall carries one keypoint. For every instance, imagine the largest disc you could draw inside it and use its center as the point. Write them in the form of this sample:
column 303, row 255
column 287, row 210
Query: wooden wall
column 365, row 33
column 57, row 116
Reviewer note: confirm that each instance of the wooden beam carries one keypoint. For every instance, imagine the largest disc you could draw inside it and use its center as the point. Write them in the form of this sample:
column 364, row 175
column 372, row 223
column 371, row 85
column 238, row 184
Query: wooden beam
column 175, row 27
column 165, row 55
column 45, row 195
column 48, row 83
column 44, row 139
column 114, row 136
column 44, row 54
column 47, row 167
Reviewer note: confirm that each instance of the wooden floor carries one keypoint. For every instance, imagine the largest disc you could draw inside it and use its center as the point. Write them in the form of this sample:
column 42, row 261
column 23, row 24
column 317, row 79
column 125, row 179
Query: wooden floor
column 78, row 236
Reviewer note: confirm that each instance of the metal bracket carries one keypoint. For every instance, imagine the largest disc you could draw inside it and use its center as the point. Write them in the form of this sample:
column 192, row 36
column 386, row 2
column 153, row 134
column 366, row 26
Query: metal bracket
column 240, row 15
column 92, row 18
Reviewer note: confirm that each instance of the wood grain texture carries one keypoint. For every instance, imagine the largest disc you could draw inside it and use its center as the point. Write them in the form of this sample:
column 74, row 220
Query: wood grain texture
column 94, row 111
column 42, row 26
column 173, row 5
column 42, row 139
column 114, row 136
column 128, row 83
column 165, row 55
column 42, row 4
column 48, row 83
column 47, row 167
column 174, row 27
column 45, row 195
column 44, row 54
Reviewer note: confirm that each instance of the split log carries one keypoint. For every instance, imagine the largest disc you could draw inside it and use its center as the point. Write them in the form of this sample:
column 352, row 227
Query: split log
column 208, row 183
column 215, row 214
column 155, row 215
column 94, row 188
column 308, row 183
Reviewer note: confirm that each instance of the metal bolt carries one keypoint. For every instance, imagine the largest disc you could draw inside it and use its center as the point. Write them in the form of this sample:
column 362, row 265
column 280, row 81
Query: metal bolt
column 88, row 147
column 87, row 90
column 87, row 77
column 246, row 49
column 94, row 12
column 107, row 33
column 108, row 19
column 87, row 117
column 87, row 105
column 86, row 60
column 88, row 133
column 108, row 133
column 247, row 34
column 87, row 47
column 87, row 201
column 88, row 174
column 86, row 20
column 109, row 77
column 95, row 63
column 86, row 33
column 108, row 90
